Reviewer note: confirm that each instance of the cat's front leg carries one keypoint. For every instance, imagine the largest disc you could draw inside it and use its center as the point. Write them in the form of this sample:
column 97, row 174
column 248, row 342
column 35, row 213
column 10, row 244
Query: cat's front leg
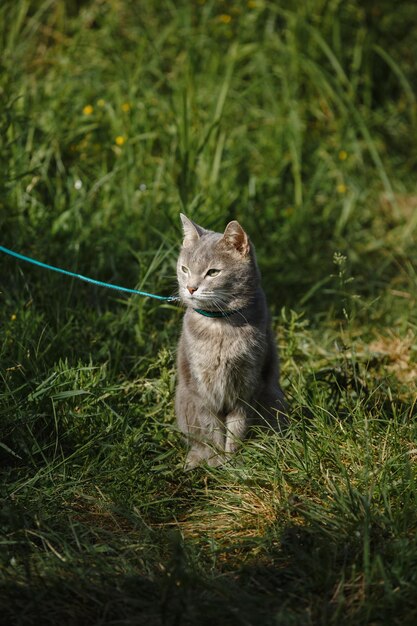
column 236, row 428
column 205, row 432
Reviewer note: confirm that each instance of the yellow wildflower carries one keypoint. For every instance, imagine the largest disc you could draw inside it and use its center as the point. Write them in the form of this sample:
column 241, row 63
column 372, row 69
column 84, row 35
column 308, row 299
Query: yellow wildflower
column 88, row 109
column 224, row 18
column 341, row 188
column 13, row 317
column 120, row 140
column 126, row 107
column 343, row 155
column 101, row 103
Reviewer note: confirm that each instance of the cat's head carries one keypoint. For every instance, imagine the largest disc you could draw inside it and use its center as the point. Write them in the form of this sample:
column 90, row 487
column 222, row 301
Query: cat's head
column 216, row 271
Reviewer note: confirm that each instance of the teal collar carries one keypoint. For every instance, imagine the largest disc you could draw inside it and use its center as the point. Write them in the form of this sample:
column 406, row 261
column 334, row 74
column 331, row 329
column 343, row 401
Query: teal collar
column 217, row 314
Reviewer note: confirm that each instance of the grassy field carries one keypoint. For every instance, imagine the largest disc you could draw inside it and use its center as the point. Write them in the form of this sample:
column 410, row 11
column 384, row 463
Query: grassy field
column 300, row 120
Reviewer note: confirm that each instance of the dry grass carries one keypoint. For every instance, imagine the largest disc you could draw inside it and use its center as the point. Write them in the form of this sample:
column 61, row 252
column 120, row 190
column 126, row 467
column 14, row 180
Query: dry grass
column 399, row 356
column 241, row 513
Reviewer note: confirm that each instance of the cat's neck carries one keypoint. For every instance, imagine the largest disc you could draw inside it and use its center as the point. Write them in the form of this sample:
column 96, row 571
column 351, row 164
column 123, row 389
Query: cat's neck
column 242, row 311
column 218, row 314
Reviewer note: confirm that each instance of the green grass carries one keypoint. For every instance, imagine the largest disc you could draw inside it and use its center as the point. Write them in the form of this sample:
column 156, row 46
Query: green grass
column 299, row 119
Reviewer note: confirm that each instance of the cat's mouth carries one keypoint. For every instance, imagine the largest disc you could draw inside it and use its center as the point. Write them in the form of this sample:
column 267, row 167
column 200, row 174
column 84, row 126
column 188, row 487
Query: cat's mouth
column 195, row 298
column 208, row 302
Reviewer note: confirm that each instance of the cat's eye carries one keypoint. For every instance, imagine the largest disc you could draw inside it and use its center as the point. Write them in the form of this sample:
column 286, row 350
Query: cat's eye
column 213, row 273
column 184, row 269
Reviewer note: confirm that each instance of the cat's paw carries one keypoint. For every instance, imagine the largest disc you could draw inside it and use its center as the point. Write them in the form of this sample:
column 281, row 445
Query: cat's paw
column 216, row 460
column 197, row 457
column 193, row 459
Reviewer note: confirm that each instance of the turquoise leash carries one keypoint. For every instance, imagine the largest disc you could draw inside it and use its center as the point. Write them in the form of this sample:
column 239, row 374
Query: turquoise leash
column 217, row 314
column 99, row 283
column 93, row 281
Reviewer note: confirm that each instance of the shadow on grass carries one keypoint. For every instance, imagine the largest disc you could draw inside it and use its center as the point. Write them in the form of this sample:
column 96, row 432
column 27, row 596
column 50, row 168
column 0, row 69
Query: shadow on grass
column 303, row 578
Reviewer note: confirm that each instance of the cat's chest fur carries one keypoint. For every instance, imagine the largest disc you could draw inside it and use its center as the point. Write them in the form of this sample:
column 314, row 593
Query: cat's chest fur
column 222, row 360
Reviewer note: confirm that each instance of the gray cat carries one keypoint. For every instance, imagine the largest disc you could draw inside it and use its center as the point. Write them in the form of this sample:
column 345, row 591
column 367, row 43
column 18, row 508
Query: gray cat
column 227, row 361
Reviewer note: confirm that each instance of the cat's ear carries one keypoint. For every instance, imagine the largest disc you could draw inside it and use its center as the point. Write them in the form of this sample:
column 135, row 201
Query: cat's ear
column 235, row 237
column 192, row 231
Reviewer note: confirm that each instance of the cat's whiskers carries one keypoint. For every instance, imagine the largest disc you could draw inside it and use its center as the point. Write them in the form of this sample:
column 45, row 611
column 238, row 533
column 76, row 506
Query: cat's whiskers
column 218, row 299
column 237, row 312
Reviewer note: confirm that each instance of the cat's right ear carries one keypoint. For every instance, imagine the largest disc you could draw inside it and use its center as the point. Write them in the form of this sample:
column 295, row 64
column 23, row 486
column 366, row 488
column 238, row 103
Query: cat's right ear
column 192, row 231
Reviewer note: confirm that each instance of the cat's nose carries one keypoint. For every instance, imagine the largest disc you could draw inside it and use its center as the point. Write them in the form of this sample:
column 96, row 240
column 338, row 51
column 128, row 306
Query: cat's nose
column 192, row 289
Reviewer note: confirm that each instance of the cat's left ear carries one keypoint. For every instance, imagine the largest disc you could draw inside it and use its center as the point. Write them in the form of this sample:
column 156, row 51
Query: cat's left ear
column 192, row 231
column 235, row 237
